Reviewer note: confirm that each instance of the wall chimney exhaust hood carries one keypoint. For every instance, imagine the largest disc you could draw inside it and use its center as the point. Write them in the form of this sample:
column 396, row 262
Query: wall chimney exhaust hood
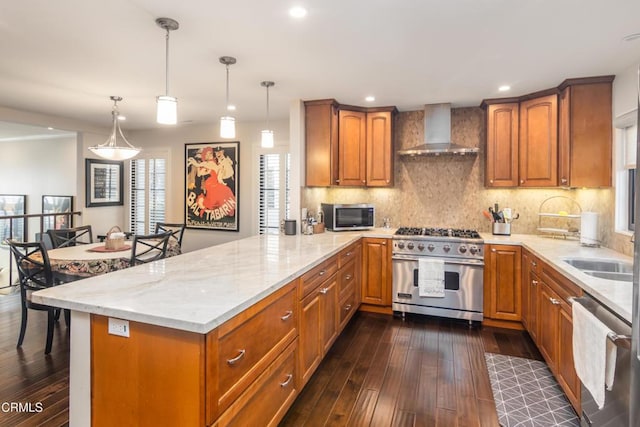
column 437, row 135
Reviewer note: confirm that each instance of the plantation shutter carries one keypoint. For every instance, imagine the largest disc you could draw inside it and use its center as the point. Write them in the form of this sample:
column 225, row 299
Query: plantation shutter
column 274, row 191
column 148, row 194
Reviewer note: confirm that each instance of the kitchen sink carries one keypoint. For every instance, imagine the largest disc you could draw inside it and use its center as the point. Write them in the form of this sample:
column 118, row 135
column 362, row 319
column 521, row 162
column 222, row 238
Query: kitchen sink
column 603, row 268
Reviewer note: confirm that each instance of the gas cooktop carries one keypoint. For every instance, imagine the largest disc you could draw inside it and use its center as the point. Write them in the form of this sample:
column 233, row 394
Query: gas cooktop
column 437, row 232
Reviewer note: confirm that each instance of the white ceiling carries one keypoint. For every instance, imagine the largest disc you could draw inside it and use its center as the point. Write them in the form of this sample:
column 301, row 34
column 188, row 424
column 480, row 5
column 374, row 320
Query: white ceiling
column 67, row 57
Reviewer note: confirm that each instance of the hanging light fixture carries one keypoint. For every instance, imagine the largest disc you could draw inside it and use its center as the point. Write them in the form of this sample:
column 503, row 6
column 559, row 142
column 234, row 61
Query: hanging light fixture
column 267, row 134
column 110, row 149
column 228, row 123
column 167, row 105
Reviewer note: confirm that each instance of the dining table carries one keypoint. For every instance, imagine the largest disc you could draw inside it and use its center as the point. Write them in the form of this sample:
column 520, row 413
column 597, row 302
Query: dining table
column 87, row 260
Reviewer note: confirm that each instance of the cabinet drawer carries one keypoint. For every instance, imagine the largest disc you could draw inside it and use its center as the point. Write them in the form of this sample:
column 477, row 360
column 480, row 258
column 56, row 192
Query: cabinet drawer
column 347, row 305
column 348, row 254
column 266, row 401
column 346, row 277
column 247, row 345
column 312, row 278
column 562, row 286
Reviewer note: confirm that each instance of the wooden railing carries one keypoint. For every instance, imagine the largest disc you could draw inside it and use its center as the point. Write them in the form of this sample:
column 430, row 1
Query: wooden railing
column 14, row 220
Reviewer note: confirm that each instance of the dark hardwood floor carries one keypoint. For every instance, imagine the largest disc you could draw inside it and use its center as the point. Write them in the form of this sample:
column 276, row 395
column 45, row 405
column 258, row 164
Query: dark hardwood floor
column 28, row 377
column 381, row 371
column 423, row 371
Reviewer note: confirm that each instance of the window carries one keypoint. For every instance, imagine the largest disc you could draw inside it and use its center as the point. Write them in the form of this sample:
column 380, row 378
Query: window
column 148, row 193
column 626, row 142
column 274, row 191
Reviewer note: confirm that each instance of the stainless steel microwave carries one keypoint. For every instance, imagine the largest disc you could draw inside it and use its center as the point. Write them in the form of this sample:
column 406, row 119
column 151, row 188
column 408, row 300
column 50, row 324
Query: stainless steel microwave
column 348, row 217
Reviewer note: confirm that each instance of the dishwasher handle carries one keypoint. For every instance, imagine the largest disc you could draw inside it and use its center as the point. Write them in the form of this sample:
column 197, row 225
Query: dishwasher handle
column 623, row 341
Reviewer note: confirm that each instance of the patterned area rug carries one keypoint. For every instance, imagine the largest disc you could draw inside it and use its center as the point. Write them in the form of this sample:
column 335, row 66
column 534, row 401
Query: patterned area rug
column 527, row 394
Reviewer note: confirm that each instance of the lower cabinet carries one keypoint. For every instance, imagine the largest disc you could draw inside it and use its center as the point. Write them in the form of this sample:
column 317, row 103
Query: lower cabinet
column 376, row 274
column 530, row 293
column 502, row 281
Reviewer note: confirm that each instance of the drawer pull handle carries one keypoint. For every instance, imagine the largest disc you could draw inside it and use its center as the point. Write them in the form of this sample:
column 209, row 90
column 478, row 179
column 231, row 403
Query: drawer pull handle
column 533, row 264
column 348, row 253
column 347, row 277
column 287, row 381
column 323, row 291
column 322, row 272
column 534, row 282
column 554, row 301
column 236, row 359
column 288, row 315
column 347, row 307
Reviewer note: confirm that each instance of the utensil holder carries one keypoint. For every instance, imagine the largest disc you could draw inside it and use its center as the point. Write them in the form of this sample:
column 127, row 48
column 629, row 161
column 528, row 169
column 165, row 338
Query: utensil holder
column 501, row 229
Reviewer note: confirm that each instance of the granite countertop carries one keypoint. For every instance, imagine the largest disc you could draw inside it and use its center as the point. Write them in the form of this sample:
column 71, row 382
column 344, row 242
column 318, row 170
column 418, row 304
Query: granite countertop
column 614, row 294
column 200, row 290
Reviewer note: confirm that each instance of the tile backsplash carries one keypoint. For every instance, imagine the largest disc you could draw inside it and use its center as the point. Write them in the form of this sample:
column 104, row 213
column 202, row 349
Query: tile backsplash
column 449, row 192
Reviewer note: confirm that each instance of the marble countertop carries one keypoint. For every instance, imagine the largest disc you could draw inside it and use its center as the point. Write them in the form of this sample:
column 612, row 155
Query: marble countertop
column 200, row 290
column 614, row 294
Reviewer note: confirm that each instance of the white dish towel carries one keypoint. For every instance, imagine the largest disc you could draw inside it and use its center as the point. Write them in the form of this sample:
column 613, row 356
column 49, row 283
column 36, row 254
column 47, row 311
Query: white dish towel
column 594, row 355
column 430, row 277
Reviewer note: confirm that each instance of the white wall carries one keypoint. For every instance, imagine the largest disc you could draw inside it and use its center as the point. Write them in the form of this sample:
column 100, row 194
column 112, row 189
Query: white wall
column 174, row 139
column 625, row 89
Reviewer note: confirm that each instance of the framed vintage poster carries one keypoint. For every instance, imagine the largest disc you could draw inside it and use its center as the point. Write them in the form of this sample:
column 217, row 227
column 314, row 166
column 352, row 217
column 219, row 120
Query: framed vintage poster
column 57, row 204
column 16, row 229
column 211, row 185
column 103, row 182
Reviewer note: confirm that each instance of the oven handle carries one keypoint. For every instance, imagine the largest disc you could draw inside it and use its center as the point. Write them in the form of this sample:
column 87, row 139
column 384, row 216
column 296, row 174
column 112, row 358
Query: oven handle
column 473, row 262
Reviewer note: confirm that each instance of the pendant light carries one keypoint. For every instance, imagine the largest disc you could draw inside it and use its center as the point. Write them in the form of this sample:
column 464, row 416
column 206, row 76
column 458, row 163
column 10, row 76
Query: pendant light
column 267, row 134
column 110, row 149
column 167, row 105
column 227, row 123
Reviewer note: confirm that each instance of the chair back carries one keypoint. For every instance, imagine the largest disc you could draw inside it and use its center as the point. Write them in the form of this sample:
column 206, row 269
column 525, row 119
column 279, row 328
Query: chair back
column 71, row 236
column 34, row 269
column 177, row 230
column 148, row 248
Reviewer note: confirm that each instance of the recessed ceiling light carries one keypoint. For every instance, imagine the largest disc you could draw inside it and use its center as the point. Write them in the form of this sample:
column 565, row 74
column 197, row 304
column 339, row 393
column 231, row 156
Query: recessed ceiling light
column 370, row 98
column 50, row 128
column 504, row 88
column 297, row 12
column 631, row 37
column 231, row 107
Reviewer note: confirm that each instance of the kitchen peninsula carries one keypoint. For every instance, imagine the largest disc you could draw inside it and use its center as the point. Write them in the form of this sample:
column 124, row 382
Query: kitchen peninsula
column 173, row 306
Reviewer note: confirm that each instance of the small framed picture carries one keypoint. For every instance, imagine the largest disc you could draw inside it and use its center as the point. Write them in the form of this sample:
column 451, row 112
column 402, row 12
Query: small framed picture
column 103, row 182
column 16, row 229
column 212, row 183
column 57, row 204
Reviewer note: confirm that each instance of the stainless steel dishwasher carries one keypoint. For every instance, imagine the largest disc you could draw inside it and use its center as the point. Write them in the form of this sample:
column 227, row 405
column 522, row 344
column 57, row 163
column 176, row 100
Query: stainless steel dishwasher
column 615, row 412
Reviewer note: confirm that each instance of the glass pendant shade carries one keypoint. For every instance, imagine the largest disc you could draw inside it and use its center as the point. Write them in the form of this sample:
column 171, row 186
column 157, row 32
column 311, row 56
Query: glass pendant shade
column 227, row 127
column 167, row 110
column 110, row 148
column 267, row 139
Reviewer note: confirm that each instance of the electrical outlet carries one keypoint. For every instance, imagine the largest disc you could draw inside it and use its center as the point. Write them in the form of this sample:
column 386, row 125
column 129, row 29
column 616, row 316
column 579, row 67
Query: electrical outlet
column 119, row 327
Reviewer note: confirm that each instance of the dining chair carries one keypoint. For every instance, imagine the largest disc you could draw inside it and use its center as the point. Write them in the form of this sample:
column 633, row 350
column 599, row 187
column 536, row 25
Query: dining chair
column 71, row 236
column 149, row 247
column 34, row 271
column 177, row 230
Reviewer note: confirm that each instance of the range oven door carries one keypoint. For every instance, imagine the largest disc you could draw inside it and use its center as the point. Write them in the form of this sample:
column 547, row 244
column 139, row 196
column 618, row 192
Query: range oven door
column 463, row 289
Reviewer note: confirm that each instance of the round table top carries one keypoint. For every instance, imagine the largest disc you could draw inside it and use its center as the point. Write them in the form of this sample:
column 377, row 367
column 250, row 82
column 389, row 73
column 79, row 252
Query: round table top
column 84, row 253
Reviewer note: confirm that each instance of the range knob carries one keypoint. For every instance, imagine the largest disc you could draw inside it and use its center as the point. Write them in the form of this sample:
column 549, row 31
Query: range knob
column 410, row 245
column 420, row 247
column 401, row 245
column 473, row 249
column 446, row 248
column 462, row 249
column 431, row 247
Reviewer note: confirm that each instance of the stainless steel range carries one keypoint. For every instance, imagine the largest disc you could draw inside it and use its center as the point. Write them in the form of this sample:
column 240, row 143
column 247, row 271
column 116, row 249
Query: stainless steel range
column 462, row 252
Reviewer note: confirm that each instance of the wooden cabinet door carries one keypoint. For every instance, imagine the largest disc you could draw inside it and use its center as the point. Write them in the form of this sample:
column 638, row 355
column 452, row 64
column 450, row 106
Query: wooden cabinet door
column 502, row 145
column 566, row 371
column 585, row 145
column 379, row 149
column 310, row 349
column 539, row 142
column 504, row 263
column 533, row 308
column 321, row 142
column 548, row 326
column 376, row 271
column 330, row 313
column 352, row 148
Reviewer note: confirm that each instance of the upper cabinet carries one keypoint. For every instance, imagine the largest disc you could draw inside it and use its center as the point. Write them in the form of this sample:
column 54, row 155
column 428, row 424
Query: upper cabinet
column 559, row 137
column 348, row 145
column 585, row 132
